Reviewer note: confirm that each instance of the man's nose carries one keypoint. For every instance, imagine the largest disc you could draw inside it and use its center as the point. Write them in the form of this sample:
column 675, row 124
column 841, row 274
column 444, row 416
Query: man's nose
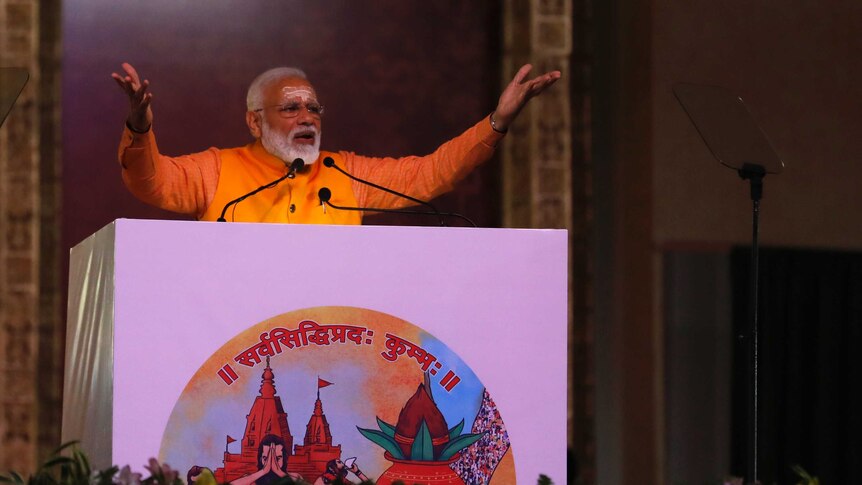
column 305, row 118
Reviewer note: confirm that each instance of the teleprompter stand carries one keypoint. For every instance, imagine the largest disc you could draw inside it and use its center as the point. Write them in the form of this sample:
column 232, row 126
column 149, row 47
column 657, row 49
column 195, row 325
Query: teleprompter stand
column 734, row 138
column 12, row 81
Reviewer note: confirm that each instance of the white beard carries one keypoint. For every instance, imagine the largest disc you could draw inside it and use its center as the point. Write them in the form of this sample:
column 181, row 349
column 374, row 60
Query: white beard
column 282, row 146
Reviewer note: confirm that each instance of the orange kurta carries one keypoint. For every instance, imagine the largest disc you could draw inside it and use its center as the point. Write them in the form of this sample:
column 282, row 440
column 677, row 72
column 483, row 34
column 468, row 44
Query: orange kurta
column 201, row 184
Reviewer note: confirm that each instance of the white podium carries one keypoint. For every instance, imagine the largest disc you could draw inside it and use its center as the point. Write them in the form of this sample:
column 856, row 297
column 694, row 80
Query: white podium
column 193, row 341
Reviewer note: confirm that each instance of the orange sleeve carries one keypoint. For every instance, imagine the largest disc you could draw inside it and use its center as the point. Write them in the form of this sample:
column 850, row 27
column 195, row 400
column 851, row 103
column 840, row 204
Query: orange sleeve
column 421, row 177
column 184, row 184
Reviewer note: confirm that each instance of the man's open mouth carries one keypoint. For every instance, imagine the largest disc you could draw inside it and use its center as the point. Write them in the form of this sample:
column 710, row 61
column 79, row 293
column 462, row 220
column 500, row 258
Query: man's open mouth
column 305, row 137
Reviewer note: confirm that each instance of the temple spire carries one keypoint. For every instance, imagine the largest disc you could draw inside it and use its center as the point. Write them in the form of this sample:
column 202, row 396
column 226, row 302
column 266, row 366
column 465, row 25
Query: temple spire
column 267, row 386
column 317, row 430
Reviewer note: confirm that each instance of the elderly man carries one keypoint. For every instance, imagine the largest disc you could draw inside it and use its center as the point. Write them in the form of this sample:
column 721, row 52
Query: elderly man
column 284, row 117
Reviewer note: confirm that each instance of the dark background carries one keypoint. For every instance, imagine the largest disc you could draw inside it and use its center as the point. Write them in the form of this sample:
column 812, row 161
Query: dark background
column 397, row 78
column 810, row 311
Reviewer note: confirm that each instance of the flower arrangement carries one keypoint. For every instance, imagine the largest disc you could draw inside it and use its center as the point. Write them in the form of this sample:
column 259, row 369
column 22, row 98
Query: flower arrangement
column 68, row 465
column 75, row 469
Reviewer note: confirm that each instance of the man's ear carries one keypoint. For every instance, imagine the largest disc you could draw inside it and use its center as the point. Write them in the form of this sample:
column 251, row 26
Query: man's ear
column 253, row 121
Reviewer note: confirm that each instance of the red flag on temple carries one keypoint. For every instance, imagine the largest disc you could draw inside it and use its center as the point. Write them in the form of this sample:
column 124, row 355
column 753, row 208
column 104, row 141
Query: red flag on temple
column 230, row 440
column 322, row 383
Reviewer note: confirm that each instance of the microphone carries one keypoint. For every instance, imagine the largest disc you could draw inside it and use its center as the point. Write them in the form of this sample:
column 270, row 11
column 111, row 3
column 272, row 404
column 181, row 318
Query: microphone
column 295, row 166
column 330, row 163
column 324, row 194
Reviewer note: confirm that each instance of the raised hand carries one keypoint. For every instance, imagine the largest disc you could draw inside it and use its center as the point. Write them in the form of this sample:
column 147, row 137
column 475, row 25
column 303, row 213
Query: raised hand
column 518, row 92
column 273, row 461
column 266, row 461
column 140, row 114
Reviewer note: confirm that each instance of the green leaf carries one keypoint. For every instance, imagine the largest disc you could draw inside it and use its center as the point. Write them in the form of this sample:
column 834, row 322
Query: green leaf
column 422, row 449
column 11, row 478
column 16, row 478
column 81, row 469
column 57, row 460
column 545, row 480
column 459, row 444
column 42, row 478
column 106, row 477
column 456, row 430
column 386, row 428
column 806, row 477
column 64, row 446
column 82, row 458
column 383, row 440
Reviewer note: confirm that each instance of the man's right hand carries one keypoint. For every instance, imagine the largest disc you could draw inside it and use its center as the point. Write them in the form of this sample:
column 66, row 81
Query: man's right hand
column 270, row 459
column 141, row 115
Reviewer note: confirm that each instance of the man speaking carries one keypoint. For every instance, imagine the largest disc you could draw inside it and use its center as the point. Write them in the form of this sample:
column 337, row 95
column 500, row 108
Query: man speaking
column 284, row 116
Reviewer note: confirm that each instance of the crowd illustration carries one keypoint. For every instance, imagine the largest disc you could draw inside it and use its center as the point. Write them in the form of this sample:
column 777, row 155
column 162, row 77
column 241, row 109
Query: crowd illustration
column 478, row 462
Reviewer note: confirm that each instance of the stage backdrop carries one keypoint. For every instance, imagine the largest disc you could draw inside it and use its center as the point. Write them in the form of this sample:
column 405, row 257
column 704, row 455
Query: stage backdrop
column 201, row 342
column 397, row 78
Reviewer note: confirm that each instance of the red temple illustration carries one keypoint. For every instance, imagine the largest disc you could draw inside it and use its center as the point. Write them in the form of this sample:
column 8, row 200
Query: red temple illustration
column 268, row 417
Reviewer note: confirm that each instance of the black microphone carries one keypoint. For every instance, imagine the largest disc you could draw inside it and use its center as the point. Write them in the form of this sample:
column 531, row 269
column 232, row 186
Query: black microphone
column 330, row 163
column 325, row 195
column 295, row 166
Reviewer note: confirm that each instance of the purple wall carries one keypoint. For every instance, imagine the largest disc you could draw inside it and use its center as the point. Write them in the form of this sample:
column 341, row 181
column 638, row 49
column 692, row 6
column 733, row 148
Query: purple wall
column 397, row 77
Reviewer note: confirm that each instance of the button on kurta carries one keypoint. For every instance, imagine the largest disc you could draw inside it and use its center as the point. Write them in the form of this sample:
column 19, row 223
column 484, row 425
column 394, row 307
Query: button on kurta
column 292, row 208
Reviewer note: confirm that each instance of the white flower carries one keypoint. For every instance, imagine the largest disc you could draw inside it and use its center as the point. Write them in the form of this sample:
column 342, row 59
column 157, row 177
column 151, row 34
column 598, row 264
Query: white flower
column 161, row 474
column 128, row 478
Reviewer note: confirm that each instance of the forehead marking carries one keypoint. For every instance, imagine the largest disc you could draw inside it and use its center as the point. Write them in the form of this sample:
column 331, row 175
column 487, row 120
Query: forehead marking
column 302, row 93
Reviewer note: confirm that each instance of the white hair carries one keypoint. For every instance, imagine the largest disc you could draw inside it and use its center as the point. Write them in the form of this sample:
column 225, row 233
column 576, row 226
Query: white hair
column 254, row 98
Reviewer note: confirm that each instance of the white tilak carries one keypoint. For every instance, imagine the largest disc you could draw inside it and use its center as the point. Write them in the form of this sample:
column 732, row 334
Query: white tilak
column 304, row 94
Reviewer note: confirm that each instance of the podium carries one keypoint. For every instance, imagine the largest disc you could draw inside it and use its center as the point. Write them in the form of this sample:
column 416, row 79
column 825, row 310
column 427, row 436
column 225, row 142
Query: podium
column 203, row 344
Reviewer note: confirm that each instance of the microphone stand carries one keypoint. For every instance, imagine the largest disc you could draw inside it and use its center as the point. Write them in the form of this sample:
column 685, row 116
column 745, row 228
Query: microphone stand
column 391, row 211
column 329, row 162
column 324, row 199
column 291, row 173
column 754, row 173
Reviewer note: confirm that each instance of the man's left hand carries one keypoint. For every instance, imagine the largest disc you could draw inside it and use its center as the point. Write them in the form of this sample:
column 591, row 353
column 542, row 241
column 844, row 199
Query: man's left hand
column 518, row 92
column 273, row 462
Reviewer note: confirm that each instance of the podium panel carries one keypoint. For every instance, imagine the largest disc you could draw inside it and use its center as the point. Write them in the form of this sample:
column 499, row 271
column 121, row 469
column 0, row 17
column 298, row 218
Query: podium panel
column 402, row 349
